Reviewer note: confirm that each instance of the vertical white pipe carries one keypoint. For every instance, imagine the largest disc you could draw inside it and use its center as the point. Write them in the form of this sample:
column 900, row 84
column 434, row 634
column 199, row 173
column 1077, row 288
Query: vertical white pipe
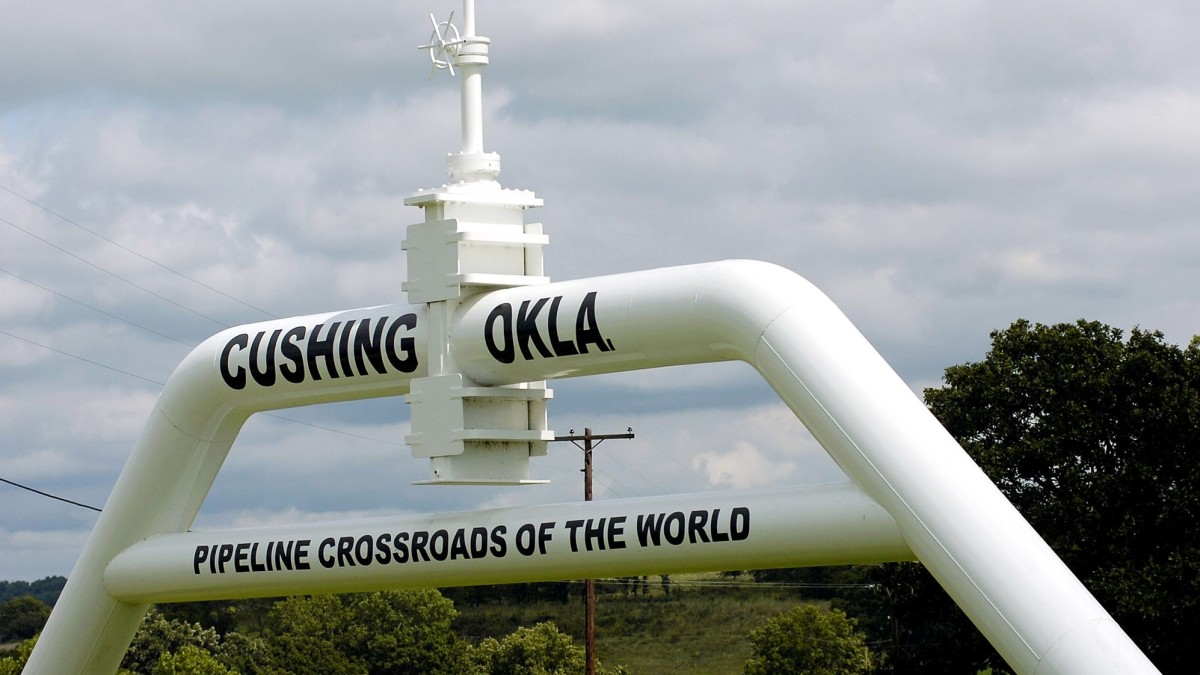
column 468, row 18
column 472, row 109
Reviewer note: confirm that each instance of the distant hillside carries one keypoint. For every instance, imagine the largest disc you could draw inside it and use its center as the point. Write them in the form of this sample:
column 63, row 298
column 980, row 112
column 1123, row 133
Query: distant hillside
column 46, row 590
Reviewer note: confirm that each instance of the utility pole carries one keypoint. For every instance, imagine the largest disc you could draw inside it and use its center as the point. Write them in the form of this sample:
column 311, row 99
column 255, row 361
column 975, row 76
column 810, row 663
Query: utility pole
column 590, row 584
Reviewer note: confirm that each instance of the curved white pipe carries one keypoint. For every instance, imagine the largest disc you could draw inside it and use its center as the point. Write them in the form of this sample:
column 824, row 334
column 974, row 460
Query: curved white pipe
column 194, row 423
column 778, row 527
column 995, row 566
column 1020, row 595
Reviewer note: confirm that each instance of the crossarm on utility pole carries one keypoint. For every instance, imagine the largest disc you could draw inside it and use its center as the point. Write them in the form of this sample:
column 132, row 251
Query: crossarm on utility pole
column 590, row 584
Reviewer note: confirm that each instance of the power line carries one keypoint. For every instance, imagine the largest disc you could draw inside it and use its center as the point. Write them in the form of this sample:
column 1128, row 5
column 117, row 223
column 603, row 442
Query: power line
column 95, row 309
column 47, row 494
column 79, row 358
column 163, row 384
column 112, row 274
column 133, row 252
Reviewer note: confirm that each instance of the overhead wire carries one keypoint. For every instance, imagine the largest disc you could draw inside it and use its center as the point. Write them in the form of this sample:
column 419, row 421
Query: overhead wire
column 161, row 384
column 607, row 484
column 47, row 494
column 131, row 323
column 136, row 253
column 79, row 358
column 112, row 274
column 95, row 309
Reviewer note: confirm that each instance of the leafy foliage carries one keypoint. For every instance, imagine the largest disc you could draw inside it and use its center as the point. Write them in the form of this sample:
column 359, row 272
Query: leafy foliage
column 540, row 650
column 172, row 643
column 808, row 640
column 381, row 633
column 13, row 665
column 913, row 624
column 522, row 593
column 159, row 636
column 47, row 590
column 22, row 617
column 190, row 660
column 1093, row 438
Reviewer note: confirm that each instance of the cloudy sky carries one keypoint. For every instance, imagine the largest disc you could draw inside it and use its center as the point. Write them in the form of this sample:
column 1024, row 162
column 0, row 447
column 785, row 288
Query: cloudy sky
column 939, row 168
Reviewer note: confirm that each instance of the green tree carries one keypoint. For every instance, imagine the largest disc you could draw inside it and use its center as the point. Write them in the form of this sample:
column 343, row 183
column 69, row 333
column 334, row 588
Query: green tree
column 1093, row 437
column 540, row 650
column 13, row 665
column 380, row 633
column 159, row 636
column 913, row 624
column 46, row 590
column 22, row 617
column 190, row 660
column 222, row 616
column 808, row 640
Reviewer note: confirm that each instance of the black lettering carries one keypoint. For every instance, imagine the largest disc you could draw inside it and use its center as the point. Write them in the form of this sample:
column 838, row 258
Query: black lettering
column 400, row 555
column 696, row 522
column 499, row 544
column 199, row 557
column 545, row 534
column 408, row 345
column 561, row 347
column 527, row 330
column 649, row 529
column 439, row 545
column 266, row 377
column 572, row 527
column 383, row 552
column 283, row 555
column 239, row 558
column 323, row 349
column 616, row 532
column 586, row 330
column 327, row 561
column 345, row 551
column 364, row 549
column 369, row 346
column 302, row 554
column 292, row 354
column 508, row 353
column 739, row 524
column 256, row 565
column 525, row 539
column 236, row 379
column 593, row 531
column 458, row 546
column 679, row 521
column 419, row 539
column 479, row 539
column 344, row 348
column 225, row 555
column 714, row 529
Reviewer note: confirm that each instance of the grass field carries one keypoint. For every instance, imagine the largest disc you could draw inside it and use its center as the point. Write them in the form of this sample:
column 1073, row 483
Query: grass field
column 703, row 626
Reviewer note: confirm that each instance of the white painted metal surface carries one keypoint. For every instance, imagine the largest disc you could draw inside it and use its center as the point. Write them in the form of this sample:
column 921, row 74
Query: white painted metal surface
column 471, row 349
column 790, row 527
column 1005, row 578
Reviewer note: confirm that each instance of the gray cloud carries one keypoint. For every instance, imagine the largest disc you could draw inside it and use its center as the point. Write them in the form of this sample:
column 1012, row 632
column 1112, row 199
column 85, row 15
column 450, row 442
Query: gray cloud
column 940, row 169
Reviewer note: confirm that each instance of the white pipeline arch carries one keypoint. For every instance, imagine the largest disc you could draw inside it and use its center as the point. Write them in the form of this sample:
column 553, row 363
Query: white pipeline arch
column 946, row 511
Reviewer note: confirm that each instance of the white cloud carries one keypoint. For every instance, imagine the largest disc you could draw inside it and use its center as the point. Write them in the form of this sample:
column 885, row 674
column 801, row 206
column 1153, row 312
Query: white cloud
column 742, row 467
column 939, row 169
